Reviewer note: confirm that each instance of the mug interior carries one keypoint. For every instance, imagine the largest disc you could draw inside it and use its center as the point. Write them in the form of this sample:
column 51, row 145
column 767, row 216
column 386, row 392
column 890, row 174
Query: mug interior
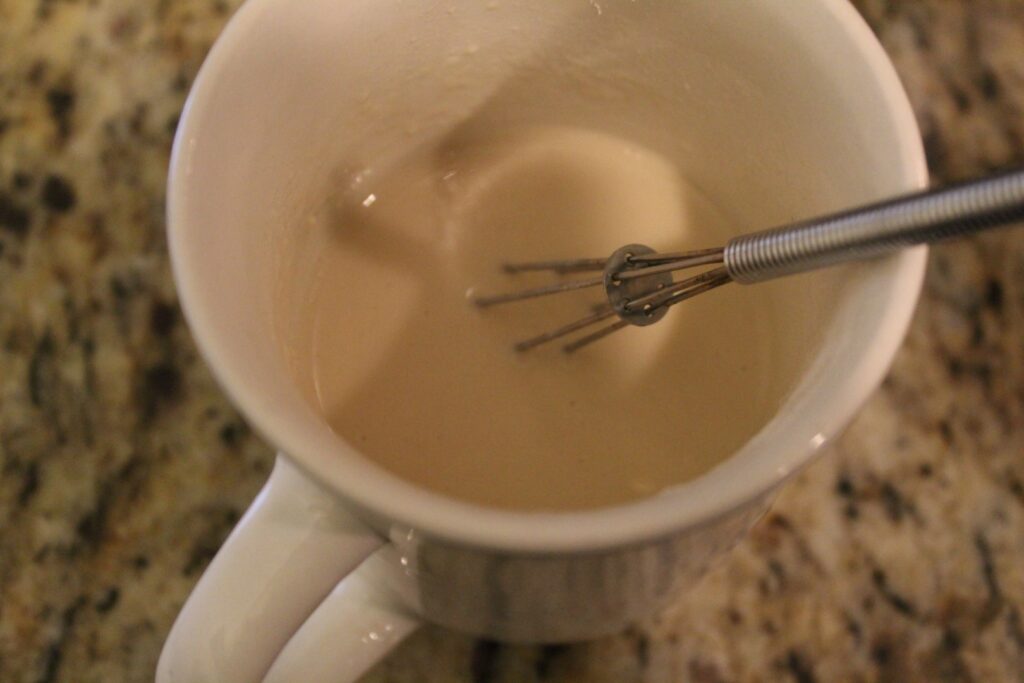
column 777, row 110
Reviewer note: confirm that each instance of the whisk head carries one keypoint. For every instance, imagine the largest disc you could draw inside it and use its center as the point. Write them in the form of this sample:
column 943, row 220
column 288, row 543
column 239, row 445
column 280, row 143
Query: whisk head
column 638, row 285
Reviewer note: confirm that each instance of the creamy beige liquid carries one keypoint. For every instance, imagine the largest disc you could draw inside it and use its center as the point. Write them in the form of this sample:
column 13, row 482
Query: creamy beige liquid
column 428, row 386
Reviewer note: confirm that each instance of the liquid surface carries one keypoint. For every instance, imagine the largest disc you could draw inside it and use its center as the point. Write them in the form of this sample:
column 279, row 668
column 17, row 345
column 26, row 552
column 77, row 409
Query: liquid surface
column 410, row 373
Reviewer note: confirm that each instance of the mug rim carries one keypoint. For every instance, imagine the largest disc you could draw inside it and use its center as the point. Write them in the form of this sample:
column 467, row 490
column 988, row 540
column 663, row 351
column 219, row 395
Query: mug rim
column 415, row 510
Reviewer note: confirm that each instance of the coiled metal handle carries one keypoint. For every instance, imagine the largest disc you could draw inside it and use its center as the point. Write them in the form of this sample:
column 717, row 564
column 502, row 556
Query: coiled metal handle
column 877, row 229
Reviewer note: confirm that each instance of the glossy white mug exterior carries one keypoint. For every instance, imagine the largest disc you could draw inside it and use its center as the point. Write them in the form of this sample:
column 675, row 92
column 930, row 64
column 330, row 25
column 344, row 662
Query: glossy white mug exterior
column 783, row 109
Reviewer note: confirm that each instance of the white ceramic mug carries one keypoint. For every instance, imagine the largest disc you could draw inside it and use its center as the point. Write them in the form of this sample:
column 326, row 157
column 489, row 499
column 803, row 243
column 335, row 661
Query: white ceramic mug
column 780, row 109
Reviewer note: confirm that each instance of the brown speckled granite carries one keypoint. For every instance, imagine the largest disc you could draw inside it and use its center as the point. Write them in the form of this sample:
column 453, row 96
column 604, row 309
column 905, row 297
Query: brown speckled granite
column 900, row 557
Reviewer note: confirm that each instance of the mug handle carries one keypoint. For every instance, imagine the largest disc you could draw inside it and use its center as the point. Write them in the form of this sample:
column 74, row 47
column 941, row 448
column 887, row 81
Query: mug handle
column 284, row 595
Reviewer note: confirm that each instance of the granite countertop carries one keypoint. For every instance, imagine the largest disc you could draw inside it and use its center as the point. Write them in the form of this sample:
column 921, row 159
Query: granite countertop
column 898, row 557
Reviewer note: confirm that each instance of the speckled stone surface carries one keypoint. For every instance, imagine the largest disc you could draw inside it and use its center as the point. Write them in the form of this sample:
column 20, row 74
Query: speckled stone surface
column 899, row 557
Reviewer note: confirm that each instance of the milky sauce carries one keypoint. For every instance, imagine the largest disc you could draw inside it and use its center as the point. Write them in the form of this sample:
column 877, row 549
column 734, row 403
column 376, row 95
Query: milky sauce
column 427, row 385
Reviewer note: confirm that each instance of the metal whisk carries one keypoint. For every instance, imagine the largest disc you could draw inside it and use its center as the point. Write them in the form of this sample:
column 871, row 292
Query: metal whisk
column 640, row 288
